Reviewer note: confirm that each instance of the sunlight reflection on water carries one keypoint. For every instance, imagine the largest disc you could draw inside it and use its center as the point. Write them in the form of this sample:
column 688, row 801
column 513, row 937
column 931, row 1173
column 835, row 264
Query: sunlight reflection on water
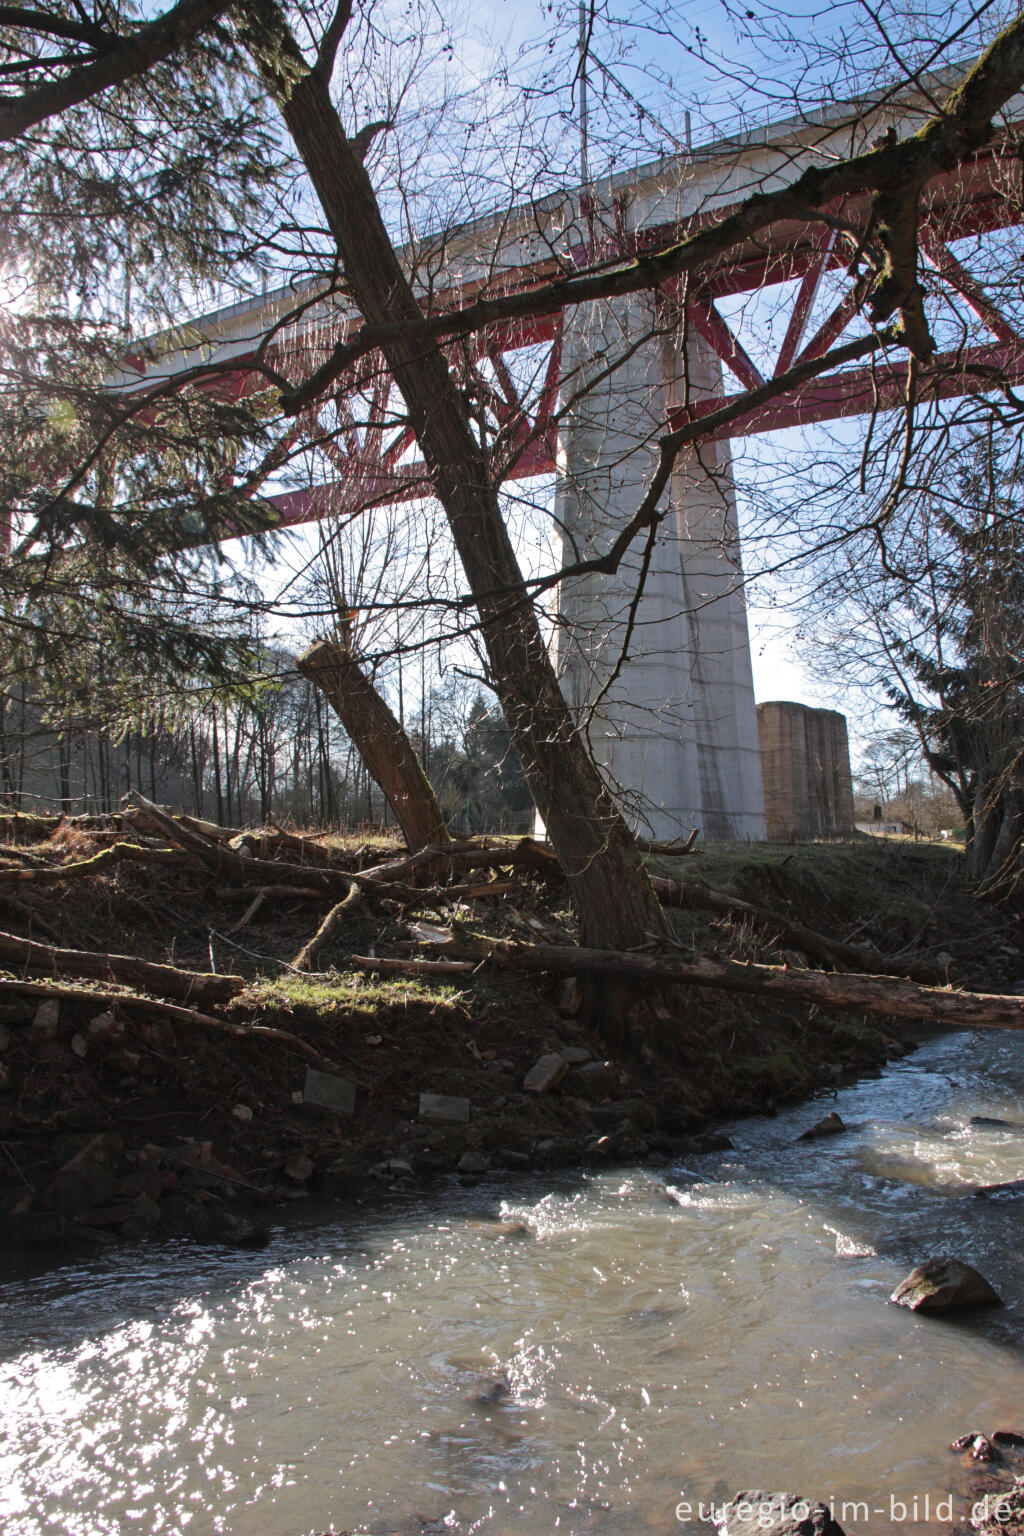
column 664, row 1334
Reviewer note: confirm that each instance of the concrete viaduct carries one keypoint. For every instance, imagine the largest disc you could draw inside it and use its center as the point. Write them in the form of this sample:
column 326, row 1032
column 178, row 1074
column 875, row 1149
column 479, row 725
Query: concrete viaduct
column 673, row 724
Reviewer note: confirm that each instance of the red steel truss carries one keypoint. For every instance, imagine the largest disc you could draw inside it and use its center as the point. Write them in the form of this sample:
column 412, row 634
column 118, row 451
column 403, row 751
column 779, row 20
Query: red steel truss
column 370, row 455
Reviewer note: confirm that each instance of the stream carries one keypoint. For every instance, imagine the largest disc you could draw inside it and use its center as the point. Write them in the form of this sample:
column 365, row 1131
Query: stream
column 666, row 1335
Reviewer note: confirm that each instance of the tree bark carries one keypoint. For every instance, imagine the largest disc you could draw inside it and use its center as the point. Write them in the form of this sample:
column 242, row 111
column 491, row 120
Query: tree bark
column 994, row 852
column 378, row 738
column 614, row 898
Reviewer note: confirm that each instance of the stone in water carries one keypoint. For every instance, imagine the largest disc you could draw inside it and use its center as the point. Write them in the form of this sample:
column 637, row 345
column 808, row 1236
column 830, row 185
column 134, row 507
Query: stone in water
column 939, row 1285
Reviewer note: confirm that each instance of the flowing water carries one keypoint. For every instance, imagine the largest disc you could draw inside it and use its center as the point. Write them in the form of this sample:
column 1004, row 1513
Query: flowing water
column 666, row 1337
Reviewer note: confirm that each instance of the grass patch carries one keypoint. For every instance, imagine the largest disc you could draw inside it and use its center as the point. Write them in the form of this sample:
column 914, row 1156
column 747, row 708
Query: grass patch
column 342, row 990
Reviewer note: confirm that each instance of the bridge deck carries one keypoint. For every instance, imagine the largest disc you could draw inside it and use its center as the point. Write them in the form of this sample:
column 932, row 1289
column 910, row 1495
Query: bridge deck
column 648, row 209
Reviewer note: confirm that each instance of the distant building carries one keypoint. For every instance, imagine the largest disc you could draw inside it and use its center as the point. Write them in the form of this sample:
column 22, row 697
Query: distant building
column 805, row 763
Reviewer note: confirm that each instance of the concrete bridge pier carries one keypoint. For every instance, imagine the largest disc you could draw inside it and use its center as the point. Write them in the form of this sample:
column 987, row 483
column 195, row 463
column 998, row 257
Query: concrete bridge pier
column 670, row 718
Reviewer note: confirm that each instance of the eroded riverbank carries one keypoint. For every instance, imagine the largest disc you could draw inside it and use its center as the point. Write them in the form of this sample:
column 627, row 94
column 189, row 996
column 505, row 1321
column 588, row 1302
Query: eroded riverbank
column 116, row 1125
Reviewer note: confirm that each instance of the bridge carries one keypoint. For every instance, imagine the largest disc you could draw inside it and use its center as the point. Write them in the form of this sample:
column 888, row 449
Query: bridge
column 585, row 392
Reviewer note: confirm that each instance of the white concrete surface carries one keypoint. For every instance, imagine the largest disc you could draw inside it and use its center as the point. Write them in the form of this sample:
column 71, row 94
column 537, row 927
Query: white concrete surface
column 669, row 712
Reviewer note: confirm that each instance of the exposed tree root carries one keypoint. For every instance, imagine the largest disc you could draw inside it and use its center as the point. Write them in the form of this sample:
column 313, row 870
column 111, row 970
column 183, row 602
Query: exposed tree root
column 336, row 916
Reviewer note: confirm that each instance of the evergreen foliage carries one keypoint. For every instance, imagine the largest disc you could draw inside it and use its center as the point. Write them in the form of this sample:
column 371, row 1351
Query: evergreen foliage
column 964, row 654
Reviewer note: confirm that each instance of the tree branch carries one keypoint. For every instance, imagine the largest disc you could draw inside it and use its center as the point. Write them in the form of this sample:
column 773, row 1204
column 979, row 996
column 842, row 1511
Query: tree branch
column 894, row 173
column 130, row 55
column 328, row 50
column 57, row 26
column 670, row 446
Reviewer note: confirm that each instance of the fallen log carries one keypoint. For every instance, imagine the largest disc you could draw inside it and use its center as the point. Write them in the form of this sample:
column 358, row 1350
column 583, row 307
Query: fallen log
column 26, row 855
column 675, row 848
column 386, row 964
column 280, row 837
column 142, row 815
column 390, row 879
column 887, row 996
column 148, row 976
column 696, row 895
column 247, row 869
column 248, row 915
column 387, row 879
column 481, row 891
column 15, row 825
column 527, row 853
column 261, row 839
column 128, row 999
column 37, row 827
column 116, row 853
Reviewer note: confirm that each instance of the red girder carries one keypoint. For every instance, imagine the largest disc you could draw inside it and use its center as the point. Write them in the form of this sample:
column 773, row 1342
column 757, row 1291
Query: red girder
column 982, row 195
column 705, row 318
column 939, row 256
column 801, row 311
column 860, row 391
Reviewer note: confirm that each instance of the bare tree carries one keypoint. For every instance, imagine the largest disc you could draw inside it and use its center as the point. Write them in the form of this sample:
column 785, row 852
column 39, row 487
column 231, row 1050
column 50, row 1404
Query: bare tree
column 426, row 349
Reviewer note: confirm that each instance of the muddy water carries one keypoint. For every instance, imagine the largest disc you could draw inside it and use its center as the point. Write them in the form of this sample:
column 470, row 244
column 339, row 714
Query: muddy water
column 666, row 1336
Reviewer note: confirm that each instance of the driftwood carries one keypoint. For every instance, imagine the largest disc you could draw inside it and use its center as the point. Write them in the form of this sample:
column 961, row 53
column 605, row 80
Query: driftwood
column 265, row 892
column 164, row 980
column 336, row 916
column 675, row 848
column 127, row 999
column 887, row 996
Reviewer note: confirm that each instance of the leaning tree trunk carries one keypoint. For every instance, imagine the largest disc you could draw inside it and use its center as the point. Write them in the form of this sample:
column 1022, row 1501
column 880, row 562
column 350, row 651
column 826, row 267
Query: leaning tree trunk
column 614, row 898
column 994, row 849
column 378, row 738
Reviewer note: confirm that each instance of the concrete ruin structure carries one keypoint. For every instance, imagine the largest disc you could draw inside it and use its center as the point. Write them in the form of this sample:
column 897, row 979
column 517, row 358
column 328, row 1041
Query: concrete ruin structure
column 805, row 758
